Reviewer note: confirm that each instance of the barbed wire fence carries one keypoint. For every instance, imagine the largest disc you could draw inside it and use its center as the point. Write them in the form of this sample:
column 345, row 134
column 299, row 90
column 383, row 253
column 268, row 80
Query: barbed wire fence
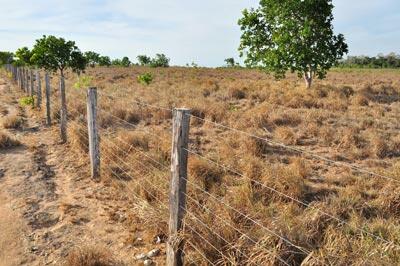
column 172, row 197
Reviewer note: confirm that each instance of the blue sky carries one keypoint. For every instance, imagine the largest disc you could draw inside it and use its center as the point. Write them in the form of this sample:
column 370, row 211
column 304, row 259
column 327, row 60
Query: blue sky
column 205, row 32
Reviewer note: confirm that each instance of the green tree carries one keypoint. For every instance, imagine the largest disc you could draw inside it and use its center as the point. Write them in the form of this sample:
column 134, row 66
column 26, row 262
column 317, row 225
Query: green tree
column 230, row 62
column 161, row 60
column 24, row 56
column 144, row 60
column 57, row 54
column 104, row 61
column 92, row 58
column 282, row 35
column 116, row 62
column 6, row 57
column 125, row 62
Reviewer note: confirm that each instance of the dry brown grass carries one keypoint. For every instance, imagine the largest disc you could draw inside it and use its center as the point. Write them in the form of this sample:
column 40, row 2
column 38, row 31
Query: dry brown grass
column 91, row 256
column 351, row 117
column 12, row 122
column 7, row 142
column 78, row 136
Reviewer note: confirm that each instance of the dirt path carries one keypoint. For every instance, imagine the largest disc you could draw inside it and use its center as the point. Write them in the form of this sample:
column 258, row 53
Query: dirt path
column 49, row 206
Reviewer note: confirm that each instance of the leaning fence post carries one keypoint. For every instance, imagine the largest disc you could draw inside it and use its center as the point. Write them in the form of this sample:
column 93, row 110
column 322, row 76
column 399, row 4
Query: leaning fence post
column 48, row 114
column 177, row 197
column 94, row 149
column 63, row 111
column 39, row 90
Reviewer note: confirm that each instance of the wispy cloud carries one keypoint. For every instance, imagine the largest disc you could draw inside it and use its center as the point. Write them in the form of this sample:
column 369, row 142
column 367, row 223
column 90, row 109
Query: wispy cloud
column 202, row 31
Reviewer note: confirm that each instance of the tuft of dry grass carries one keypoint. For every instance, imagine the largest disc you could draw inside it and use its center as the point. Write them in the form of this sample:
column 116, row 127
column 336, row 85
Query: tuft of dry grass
column 78, row 136
column 133, row 139
column 380, row 148
column 285, row 135
column 91, row 256
column 205, row 173
column 360, row 100
column 7, row 142
column 236, row 93
column 12, row 122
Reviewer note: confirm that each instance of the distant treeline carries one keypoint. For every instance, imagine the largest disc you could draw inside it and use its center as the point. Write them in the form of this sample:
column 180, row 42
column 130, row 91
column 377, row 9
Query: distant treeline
column 391, row 60
column 23, row 57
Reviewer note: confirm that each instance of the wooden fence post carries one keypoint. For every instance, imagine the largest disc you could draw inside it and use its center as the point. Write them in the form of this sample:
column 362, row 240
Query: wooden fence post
column 17, row 73
column 39, row 90
column 177, row 197
column 23, row 78
column 94, row 148
column 48, row 111
column 26, row 81
column 63, row 111
column 32, row 80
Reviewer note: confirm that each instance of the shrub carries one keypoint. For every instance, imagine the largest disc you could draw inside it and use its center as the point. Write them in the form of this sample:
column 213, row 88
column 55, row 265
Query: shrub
column 145, row 79
column 27, row 101
column 83, row 82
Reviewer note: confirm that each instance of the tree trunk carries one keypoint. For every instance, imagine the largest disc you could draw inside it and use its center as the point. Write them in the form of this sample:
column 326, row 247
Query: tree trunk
column 308, row 79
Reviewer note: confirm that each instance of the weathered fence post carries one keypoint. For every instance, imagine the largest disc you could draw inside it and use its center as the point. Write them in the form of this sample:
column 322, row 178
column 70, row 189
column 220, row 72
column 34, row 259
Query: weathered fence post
column 48, row 112
column 32, row 80
column 26, row 81
column 21, row 84
column 94, row 148
column 177, row 197
column 63, row 111
column 17, row 73
column 23, row 78
column 39, row 90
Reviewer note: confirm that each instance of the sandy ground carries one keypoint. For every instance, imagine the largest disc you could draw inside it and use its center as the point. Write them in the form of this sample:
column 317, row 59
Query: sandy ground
column 48, row 204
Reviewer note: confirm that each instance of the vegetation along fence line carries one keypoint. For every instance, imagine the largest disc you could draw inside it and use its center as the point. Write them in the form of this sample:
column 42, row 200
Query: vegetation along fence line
column 179, row 180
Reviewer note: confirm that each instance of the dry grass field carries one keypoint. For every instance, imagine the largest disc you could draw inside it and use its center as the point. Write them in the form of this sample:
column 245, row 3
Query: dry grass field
column 252, row 201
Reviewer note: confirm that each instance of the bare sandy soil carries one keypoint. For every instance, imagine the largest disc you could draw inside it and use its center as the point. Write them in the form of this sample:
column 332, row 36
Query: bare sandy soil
column 48, row 204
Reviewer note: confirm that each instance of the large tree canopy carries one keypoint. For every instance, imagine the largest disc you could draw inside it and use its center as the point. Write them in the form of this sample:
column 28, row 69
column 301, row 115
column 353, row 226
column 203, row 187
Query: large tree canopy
column 294, row 35
column 54, row 54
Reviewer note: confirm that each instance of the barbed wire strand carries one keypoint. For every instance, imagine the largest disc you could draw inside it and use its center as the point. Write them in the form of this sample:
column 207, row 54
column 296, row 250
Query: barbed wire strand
column 291, row 198
column 265, row 228
column 163, row 204
column 299, row 150
column 187, row 210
